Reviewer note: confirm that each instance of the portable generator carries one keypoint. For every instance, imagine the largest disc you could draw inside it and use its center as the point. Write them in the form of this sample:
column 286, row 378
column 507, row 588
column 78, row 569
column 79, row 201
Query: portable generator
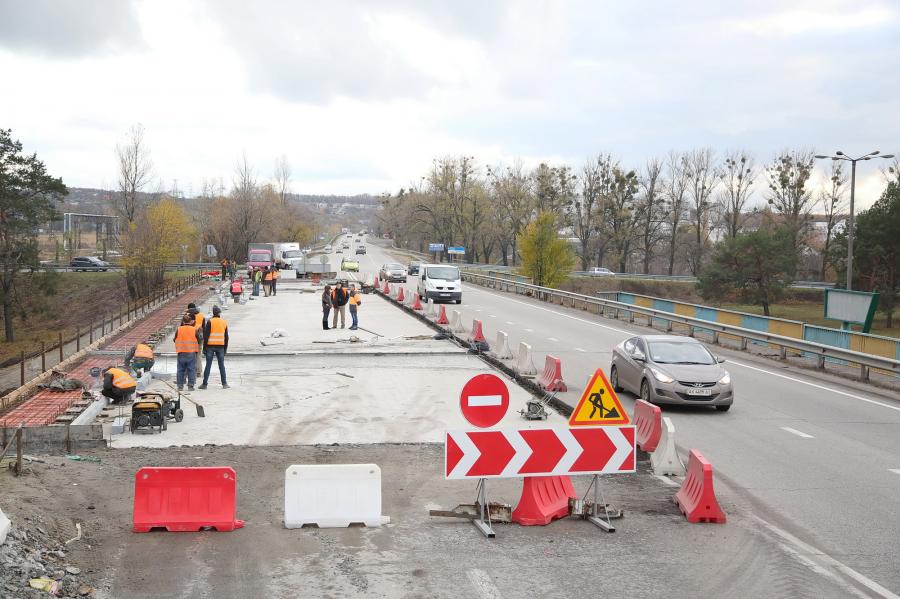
column 152, row 411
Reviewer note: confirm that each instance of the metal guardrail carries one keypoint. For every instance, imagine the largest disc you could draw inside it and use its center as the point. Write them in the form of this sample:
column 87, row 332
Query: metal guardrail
column 820, row 351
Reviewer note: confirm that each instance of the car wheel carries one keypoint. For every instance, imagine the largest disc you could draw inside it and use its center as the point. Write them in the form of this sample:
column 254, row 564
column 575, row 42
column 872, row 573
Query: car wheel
column 645, row 391
column 723, row 408
column 614, row 380
column 459, row 301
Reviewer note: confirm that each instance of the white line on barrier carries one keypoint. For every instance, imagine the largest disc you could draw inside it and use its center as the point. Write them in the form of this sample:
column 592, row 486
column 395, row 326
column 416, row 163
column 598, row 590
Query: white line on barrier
column 828, row 560
column 492, row 315
column 794, row 431
column 769, row 372
column 509, row 322
column 483, row 584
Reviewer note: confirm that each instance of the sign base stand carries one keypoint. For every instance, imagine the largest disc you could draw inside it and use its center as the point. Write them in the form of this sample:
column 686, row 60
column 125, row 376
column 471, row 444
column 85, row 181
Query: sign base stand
column 594, row 517
column 481, row 501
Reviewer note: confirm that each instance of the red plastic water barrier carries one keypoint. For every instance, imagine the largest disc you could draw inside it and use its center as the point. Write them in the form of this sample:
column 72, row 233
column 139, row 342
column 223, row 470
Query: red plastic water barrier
column 442, row 318
column 552, row 379
column 400, row 296
column 376, row 283
column 477, row 335
column 387, row 289
column 544, row 499
column 696, row 498
column 648, row 422
column 185, row 499
column 417, row 303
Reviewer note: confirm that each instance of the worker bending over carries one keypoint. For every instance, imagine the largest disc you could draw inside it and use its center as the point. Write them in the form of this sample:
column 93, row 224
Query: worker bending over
column 139, row 357
column 118, row 385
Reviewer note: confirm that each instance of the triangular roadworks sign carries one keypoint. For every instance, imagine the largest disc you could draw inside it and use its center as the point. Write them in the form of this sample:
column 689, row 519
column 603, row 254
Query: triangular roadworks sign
column 599, row 405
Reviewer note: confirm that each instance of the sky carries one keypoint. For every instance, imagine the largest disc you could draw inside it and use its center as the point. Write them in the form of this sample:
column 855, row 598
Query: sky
column 362, row 95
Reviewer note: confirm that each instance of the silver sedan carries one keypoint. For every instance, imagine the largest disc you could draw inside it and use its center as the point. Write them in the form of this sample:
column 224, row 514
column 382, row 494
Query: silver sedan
column 672, row 370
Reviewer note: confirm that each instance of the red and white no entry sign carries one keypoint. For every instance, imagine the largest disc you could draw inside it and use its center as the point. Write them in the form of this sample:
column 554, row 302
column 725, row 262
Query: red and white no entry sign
column 484, row 400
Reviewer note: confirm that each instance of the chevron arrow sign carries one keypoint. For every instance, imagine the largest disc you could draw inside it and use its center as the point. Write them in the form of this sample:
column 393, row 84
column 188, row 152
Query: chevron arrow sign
column 539, row 452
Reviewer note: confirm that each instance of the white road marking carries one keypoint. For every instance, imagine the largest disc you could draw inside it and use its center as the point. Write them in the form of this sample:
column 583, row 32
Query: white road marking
column 485, row 400
column 769, row 372
column 794, row 431
column 579, row 349
column 478, row 310
column 823, row 557
column 668, row 480
column 508, row 322
column 529, row 330
column 483, row 584
column 554, row 339
column 894, row 470
column 492, row 315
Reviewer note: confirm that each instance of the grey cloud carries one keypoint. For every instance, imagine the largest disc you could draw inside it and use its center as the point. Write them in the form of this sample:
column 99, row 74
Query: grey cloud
column 68, row 29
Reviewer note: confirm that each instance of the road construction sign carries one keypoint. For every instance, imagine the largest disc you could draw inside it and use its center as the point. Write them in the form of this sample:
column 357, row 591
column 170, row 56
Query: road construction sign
column 599, row 405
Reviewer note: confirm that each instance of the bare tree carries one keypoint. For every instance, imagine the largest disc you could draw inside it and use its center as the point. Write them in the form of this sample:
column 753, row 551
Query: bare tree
column 515, row 204
column 701, row 175
column 788, row 192
column 737, row 175
column 834, row 207
column 282, row 177
column 135, row 172
column 583, row 209
column 676, row 185
column 650, row 209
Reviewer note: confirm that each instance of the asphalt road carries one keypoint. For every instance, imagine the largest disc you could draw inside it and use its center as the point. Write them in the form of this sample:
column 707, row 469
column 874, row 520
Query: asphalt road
column 816, row 459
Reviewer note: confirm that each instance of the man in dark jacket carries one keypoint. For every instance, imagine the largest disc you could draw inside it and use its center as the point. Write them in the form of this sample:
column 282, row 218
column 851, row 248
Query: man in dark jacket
column 339, row 299
column 326, row 306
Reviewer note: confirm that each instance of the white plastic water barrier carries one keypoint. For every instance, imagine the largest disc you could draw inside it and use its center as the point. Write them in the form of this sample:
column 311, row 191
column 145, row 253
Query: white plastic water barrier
column 332, row 495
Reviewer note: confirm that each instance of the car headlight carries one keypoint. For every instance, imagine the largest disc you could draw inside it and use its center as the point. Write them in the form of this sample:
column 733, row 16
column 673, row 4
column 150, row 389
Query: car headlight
column 661, row 376
column 725, row 380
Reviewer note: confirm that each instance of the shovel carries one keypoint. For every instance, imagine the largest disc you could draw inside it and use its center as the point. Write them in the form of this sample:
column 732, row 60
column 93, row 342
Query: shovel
column 200, row 412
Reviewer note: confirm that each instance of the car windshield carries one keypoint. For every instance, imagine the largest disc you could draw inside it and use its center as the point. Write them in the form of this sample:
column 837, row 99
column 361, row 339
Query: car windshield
column 445, row 273
column 666, row 352
column 395, row 267
column 260, row 257
column 292, row 254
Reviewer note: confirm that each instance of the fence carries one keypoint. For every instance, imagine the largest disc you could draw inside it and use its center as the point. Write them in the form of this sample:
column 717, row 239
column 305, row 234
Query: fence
column 819, row 351
column 32, row 364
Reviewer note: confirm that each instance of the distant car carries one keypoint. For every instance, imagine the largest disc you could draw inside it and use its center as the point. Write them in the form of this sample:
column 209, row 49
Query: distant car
column 361, row 249
column 665, row 369
column 86, row 263
column 328, row 248
column 339, row 251
column 393, row 272
column 350, row 265
column 413, row 268
column 601, row 272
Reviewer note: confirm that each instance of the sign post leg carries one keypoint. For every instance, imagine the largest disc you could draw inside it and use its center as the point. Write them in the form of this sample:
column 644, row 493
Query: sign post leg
column 595, row 518
column 483, row 522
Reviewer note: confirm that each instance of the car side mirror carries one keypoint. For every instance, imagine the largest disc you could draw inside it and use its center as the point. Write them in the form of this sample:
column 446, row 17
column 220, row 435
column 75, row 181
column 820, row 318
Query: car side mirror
column 639, row 356
column 720, row 360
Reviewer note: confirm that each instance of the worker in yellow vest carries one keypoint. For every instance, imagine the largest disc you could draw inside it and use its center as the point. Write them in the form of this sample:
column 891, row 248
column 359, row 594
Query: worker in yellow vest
column 215, row 340
column 199, row 318
column 187, row 345
column 118, row 384
column 139, row 357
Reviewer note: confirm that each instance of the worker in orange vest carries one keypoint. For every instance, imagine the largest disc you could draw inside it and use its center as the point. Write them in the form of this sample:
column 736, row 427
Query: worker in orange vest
column 139, row 357
column 118, row 384
column 215, row 339
column 199, row 318
column 187, row 345
column 237, row 289
column 275, row 276
column 267, row 280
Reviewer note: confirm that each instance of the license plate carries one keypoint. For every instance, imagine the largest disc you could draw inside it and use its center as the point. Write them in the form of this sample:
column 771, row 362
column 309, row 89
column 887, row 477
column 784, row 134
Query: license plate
column 700, row 392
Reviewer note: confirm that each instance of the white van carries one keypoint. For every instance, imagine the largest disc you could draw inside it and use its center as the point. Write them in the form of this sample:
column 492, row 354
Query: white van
column 440, row 282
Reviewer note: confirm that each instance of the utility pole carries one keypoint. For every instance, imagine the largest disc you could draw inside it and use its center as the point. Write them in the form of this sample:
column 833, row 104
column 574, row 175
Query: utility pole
column 850, row 231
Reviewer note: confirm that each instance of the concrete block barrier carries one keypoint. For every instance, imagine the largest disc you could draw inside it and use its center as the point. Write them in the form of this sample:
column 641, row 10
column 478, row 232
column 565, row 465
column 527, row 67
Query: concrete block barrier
column 442, row 317
column 332, row 495
column 501, row 347
column 185, row 499
column 552, row 378
column 647, row 420
column 697, row 499
column 456, row 324
column 664, row 460
column 525, row 362
column 544, row 499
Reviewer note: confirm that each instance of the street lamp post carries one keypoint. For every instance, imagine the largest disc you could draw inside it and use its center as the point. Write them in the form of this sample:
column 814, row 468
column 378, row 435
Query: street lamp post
column 841, row 156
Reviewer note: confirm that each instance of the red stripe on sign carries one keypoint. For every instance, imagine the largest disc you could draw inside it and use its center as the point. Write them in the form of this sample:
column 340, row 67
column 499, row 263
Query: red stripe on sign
column 546, row 450
column 496, row 452
column 454, row 454
column 628, row 462
column 596, row 446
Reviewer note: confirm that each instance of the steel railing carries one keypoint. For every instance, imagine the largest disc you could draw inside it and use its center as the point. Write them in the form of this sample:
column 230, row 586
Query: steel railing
column 820, row 351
